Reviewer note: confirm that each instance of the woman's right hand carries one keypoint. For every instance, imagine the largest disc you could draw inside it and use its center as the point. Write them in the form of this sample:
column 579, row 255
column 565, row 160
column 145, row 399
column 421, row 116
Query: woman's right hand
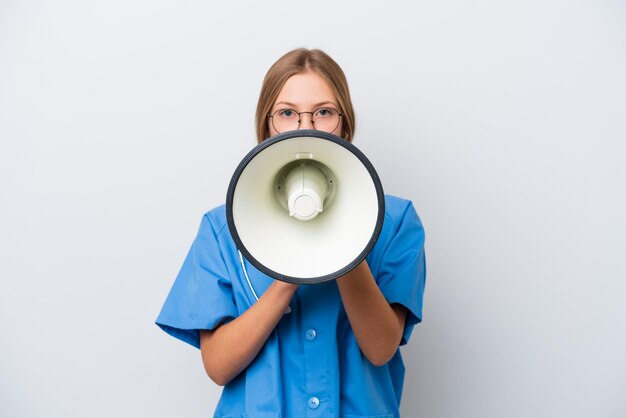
column 285, row 286
column 228, row 349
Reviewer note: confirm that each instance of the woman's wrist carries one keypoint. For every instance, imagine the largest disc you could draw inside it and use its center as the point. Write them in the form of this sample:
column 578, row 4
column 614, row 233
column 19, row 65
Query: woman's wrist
column 281, row 292
column 358, row 271
column 284, row 287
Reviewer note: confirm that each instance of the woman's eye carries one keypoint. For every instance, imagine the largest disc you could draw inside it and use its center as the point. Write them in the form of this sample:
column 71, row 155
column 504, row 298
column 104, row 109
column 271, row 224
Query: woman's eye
column 287, row 114
column 325, row 112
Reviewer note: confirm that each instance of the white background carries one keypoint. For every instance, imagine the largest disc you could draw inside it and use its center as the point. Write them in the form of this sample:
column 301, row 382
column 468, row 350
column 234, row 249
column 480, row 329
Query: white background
column 121, row 123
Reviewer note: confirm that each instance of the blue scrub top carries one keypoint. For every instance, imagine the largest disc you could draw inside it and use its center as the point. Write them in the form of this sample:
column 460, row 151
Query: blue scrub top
column 311, row 365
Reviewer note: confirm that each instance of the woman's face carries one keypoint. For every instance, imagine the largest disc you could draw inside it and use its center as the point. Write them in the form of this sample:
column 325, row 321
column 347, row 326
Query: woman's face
column 306, row 92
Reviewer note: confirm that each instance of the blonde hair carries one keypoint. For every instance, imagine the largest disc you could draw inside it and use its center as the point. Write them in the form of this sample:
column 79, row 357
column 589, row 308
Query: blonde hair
column 299, row 61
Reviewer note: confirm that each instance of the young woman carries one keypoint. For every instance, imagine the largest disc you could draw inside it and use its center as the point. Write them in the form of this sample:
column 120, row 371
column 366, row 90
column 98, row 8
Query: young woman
column 324, row 350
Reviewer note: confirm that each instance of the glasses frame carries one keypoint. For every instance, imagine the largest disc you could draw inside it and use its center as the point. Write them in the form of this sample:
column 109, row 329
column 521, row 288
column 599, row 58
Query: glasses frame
column 271, row 116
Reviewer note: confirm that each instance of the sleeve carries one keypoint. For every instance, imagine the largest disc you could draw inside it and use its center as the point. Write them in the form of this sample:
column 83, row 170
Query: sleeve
column 202, row 296
column 402, row 273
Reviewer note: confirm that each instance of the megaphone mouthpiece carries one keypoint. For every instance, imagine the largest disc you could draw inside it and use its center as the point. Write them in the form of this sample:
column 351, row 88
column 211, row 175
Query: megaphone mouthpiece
column 306, row 188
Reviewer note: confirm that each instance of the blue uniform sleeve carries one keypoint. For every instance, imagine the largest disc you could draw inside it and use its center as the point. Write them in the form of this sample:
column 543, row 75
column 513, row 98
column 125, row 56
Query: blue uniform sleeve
column 402, row 272
column 201, row 297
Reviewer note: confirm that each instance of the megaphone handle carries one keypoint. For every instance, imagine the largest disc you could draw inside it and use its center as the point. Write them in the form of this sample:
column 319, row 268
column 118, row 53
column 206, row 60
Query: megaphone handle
column 245, row 273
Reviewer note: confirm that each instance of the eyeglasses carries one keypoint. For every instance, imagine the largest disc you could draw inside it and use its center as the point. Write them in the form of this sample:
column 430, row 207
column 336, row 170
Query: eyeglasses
column 324, row 119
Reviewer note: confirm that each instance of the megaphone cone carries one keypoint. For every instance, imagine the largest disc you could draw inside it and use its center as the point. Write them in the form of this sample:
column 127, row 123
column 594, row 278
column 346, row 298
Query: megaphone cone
column 305, row 206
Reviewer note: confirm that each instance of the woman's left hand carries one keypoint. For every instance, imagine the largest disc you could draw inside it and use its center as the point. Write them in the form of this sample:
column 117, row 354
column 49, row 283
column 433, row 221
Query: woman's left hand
column 377, row 325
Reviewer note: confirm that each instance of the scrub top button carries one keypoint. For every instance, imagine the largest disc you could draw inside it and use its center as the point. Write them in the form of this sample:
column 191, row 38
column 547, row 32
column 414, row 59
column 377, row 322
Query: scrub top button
column 314, row 402
column 310, row 335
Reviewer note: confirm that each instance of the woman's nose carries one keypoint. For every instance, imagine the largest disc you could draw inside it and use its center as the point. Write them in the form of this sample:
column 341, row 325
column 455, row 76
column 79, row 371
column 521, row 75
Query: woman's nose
column 306, row 121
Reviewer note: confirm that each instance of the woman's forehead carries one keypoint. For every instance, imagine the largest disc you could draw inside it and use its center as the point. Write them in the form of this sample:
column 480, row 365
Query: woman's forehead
column 306, row 89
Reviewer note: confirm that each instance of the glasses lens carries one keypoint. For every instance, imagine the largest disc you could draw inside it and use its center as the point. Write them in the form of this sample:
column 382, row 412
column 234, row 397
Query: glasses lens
column 285, row 120
column 326, row 119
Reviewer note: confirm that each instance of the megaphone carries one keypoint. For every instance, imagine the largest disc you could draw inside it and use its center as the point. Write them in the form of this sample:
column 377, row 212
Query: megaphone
column 305, row 206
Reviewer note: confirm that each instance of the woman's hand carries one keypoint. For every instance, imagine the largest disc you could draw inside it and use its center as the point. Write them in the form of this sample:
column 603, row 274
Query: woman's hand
column 230, row 348
column 377, row 326
column 286, row 286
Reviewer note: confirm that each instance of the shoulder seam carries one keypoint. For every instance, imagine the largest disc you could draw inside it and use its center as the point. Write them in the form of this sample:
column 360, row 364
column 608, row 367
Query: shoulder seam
column 219, row 230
